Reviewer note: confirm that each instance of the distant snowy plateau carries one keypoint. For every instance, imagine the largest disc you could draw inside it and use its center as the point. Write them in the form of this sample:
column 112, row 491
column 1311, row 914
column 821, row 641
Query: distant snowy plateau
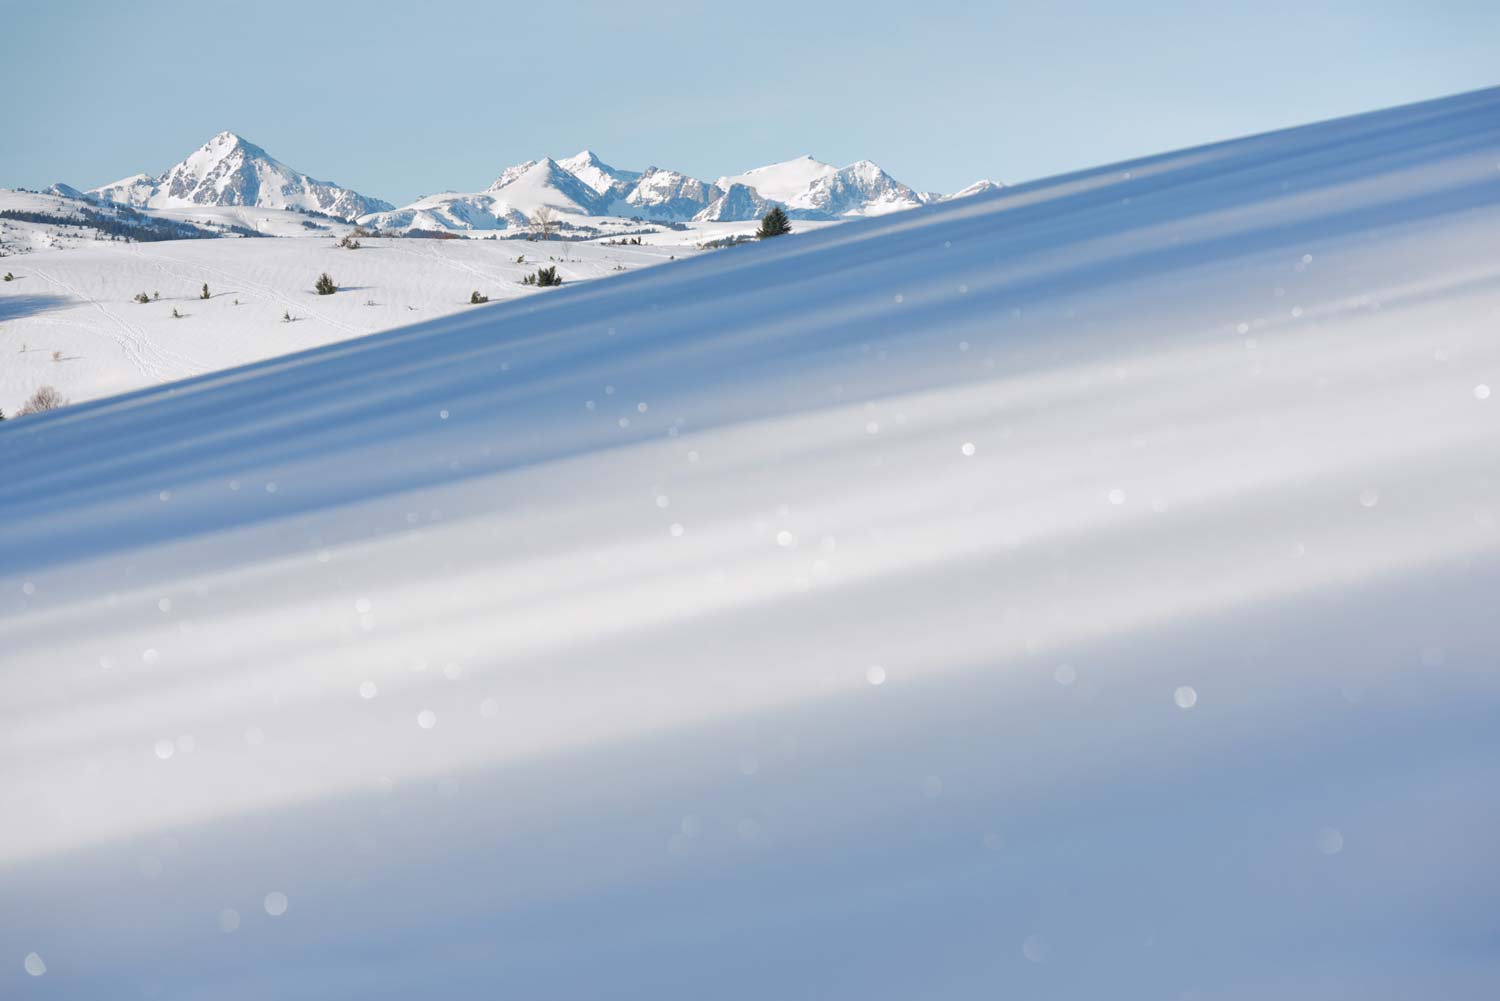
column 1084, row 591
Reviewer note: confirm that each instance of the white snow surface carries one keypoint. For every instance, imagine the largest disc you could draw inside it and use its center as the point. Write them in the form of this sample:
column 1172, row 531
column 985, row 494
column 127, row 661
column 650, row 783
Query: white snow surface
column 68, row 320
column 1081, row 591
column 784, row 181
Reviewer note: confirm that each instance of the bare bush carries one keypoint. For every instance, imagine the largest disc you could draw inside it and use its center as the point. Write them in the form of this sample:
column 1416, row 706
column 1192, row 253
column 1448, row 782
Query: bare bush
column 44, row 399
column 543, row 220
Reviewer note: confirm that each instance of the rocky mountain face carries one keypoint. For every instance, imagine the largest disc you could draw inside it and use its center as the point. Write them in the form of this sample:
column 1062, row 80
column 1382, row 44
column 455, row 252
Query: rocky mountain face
column 860, row 189
column 666, row 194
column 597, row 174
column 229, row 170
column 738, row 203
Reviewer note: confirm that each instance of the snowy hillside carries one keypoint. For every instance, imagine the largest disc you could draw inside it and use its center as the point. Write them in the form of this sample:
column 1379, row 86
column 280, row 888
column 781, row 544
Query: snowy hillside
column 64, row 218
column 68, row 319
column 1084, row 590
column 228, row 170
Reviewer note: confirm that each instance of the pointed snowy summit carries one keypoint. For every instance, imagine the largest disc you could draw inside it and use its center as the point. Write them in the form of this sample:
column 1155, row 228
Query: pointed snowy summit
column 530, row 185
column 231, row 170
column 598, row 175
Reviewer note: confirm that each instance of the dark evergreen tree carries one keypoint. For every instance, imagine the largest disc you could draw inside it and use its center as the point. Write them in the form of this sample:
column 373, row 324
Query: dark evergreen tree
column 204, row 293
column 325, row 285
column 775, row 223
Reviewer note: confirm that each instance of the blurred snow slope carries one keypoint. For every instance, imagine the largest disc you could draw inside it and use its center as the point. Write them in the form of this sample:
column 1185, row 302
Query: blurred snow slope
column 1083, row 590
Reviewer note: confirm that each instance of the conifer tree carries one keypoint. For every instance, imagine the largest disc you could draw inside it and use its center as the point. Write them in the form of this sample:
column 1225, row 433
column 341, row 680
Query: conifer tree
column 204, row 293
column 775, row 223
column 325, row 285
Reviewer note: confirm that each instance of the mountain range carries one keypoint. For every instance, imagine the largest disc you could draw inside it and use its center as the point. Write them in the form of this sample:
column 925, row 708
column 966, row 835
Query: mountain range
column 229, row 170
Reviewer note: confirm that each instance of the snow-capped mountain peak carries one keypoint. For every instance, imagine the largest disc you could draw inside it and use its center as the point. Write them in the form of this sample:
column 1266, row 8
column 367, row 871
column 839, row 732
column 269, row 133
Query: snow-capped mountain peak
column 860, row 189
column 63, row 190
column 598, row 175
column 230, row 170
column 668, row 194
column 135, row 190
column 979, row 187
column 529, row 185
column 784, row 181
column 511, row 173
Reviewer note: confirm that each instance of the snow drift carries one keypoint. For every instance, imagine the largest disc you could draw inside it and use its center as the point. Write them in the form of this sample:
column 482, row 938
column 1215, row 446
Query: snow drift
column 1079, row 590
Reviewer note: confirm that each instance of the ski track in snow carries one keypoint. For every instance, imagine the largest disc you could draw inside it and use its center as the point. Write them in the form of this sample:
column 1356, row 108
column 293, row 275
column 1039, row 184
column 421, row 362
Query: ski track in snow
column 431, row 254
column 267, row 292
column 150, row 359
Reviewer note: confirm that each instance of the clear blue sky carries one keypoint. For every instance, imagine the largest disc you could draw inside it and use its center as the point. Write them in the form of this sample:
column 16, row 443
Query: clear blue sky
column 401, row 99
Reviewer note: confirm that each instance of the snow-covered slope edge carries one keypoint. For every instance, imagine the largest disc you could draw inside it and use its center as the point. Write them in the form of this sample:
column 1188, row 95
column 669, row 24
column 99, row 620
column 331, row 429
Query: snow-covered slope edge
column 1082, row 590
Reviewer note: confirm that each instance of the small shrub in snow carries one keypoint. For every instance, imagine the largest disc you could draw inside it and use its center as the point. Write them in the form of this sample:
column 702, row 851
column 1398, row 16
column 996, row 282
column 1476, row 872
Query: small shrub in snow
column 142, row 298
column 349, row 243
column 176, row 315
column 10, row 278
column 544, row 278
column 775, row 223
column 325, row 285
column 46, row 398
column 204, row 294
column 476, row 298
column 286, row 316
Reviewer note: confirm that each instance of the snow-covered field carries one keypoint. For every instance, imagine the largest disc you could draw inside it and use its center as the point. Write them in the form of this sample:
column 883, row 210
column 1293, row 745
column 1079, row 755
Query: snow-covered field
column 69, row 319
column 1081, row 591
